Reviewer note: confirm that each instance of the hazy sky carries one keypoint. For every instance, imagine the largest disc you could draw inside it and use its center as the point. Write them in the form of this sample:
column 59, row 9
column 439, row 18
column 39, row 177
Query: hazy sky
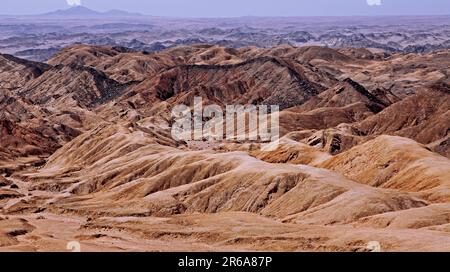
column 233, row 8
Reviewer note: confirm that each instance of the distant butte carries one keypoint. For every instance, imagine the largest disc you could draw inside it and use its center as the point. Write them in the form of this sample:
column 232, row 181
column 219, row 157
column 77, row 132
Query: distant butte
column 82, row 12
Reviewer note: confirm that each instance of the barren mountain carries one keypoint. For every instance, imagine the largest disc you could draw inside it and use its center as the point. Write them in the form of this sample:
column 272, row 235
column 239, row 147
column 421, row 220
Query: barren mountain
column 83, row 86
column 16, row 72
column 87, row 152
column 424, row 116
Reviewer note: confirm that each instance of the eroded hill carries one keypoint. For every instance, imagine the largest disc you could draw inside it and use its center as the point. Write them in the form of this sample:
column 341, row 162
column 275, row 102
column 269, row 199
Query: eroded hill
column 87, row 154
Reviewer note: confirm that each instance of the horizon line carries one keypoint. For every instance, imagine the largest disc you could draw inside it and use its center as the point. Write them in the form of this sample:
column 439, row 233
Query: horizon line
column 138, row 14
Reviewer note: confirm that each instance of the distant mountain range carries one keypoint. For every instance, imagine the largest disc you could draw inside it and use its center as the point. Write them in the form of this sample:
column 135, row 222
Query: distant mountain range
column 82, row 12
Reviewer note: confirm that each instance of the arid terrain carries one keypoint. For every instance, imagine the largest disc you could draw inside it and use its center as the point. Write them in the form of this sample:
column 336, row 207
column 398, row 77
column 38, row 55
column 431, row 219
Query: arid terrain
column 86, row 152
column 39, row 37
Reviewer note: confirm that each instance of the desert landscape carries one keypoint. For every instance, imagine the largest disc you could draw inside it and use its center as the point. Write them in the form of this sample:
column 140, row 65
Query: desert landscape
column 87, row 155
